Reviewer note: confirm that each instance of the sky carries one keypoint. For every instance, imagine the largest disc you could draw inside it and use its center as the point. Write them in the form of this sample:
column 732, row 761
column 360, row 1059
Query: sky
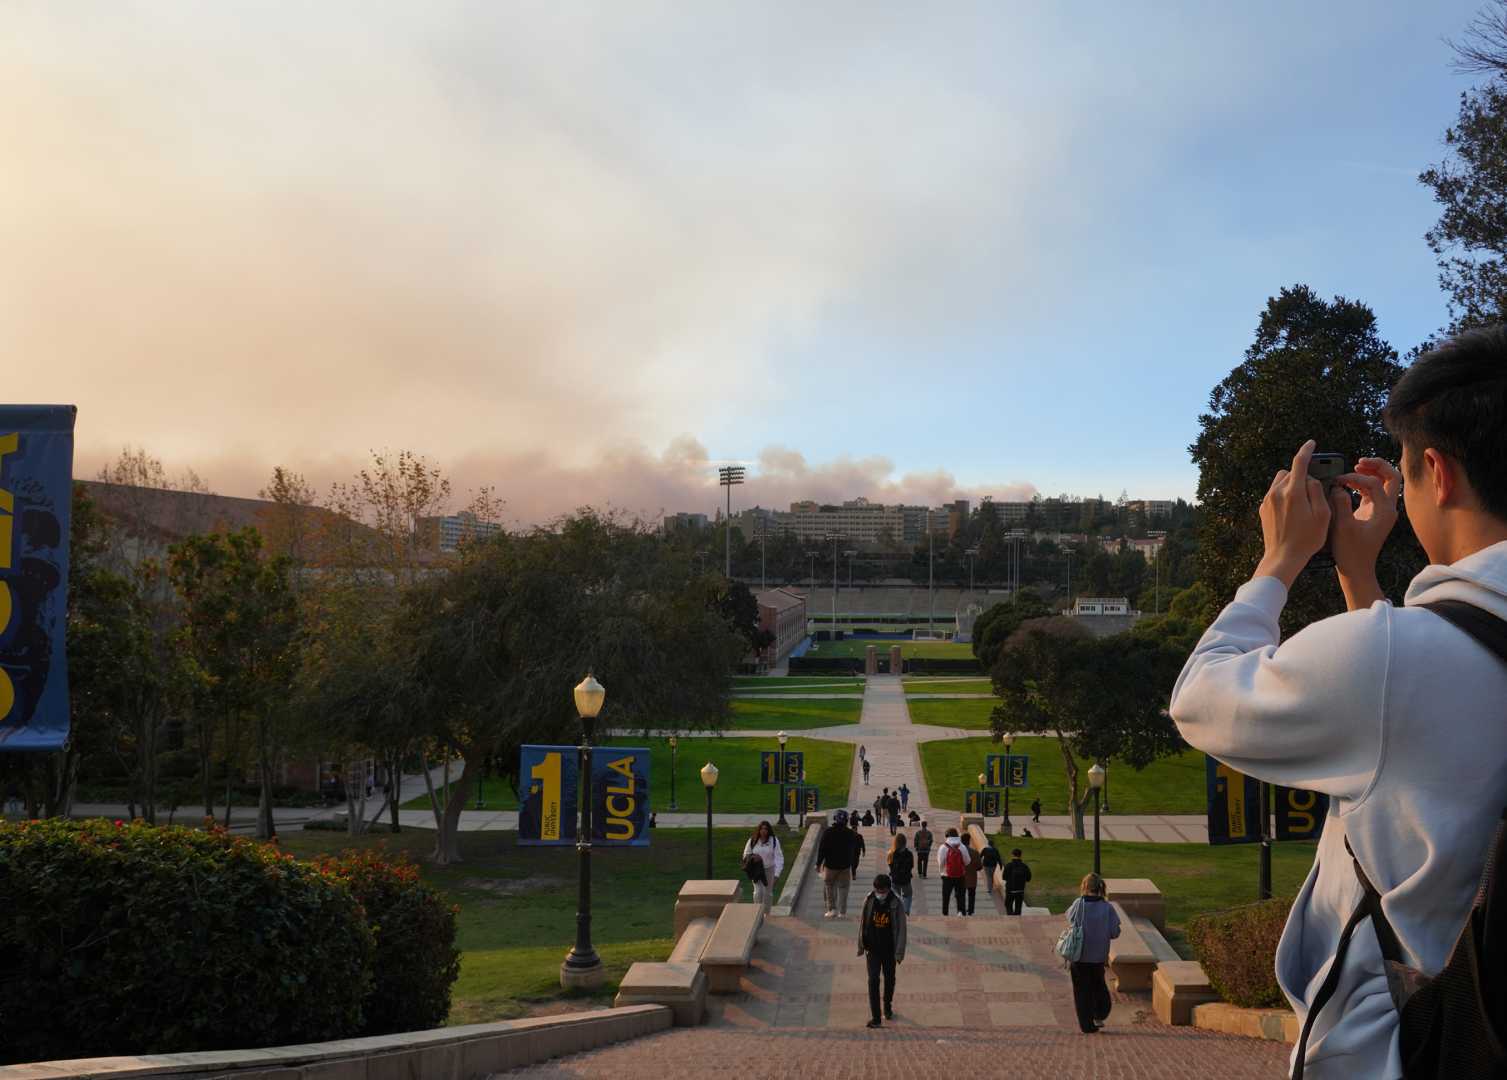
column 586, row 252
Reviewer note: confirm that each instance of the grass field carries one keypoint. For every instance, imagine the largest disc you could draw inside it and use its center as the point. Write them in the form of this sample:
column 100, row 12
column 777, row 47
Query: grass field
column 1194, row 878
column 794, row 683
column 518, row 906
column 970, row 713
column 858, row 648
column 774, row 714
column 1170, row 786
column 818, row 689
column 828, row 766
column 948, row 686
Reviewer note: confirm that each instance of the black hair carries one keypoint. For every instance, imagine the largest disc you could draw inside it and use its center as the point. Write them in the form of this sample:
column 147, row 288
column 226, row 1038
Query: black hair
column 882, row 881
column 1454, row 399
column 1015, row 853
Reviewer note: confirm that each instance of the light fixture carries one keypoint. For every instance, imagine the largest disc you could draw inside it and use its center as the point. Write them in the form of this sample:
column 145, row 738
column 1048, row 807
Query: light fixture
column 589, row 697
column 1096, row 776
column 709, row 775
column 1008, row 740
column 782, row 737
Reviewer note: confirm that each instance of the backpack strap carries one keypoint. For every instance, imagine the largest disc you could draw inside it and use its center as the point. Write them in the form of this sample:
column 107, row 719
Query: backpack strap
column 1490, row 632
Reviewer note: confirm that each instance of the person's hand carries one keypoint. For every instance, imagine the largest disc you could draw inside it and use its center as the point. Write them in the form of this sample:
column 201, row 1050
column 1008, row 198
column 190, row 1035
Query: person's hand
column 1360, row 532
column 1294, row 520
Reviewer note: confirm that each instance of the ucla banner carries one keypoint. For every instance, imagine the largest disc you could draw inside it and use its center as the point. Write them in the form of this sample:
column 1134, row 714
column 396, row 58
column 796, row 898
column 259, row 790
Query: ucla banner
column 551, row 807
column 36, row 497
column 1234, row 805
column 548, row 776
column 1300, row 814
column 1006, row 770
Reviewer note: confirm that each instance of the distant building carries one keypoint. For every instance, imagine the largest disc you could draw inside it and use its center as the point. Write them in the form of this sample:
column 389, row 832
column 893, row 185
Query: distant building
column 858, row 521
column 1101, row 605
column 782, row 612
column 449, row 532
column 683, row 520
column 1152, row 508
column 1150, row 547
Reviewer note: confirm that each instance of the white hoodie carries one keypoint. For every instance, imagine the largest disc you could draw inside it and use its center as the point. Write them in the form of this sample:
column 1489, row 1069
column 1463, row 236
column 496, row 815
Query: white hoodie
column 951, row 841
column 1402, row 719
column 771, row 855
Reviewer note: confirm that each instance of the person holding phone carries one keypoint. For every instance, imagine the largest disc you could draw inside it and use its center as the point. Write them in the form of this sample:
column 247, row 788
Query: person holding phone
column 1393, row 712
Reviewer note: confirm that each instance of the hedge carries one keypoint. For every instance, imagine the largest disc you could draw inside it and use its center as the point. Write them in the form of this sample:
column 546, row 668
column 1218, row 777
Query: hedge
column 927, row 665
column 417, row 961
column 1238, row 950
column 132, row 939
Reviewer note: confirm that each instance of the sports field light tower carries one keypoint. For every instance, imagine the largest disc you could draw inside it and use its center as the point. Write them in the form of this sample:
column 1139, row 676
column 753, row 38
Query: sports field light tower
column 972, row 554
column 727, row 476
column 834, row 537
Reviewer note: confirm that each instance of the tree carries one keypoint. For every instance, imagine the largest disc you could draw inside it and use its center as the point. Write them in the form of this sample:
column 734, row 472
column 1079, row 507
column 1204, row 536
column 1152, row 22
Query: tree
column 1317, row 369
column 241, row 632
column 1469, row 241
column 494, row 646
column 1102, row 698
column 737, row 604
column 998, row 622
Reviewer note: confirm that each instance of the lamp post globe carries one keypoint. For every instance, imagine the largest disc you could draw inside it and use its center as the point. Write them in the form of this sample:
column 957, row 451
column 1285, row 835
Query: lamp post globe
column 583, row 968
column 1096, row 777
column 709, row 781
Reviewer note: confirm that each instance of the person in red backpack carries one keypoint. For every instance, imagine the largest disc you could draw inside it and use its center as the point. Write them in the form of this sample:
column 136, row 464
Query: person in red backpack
column 952, row 861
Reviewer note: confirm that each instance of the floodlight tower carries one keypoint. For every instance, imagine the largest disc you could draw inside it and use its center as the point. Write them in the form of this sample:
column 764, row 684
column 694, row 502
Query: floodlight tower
column 727, row 476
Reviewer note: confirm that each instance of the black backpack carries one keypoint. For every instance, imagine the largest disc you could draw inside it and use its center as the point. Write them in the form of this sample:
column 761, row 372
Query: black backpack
column 1453, row 1024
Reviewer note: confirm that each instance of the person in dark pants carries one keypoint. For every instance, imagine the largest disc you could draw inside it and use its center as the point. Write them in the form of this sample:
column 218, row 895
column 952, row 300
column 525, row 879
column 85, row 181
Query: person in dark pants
column 904, row 797
column 892, row 812
column 1015, row 874
column 991, row 858
column 971, row 877
column 1036, row 811
column 922, row 840
column 952, row 862
column 859, row 848
column 881, row 940
column 1100, row 924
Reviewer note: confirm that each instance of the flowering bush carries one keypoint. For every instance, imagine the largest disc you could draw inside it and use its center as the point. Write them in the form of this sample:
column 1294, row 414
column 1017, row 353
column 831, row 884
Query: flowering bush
column 1238, row 951
column 128, row 938
column 417, row 961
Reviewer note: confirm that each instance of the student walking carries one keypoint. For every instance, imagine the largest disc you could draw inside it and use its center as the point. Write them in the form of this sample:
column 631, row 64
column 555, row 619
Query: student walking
column 1099, row 922
column 1393, row 711
column 860, row 848
column 865, row 762
column 971, row 875
column 952, row 863
column 1015, row 875
column 834, row 862
column 881, row 940
column 904, row 797
column 902, row 863
column 892, row 812
column 991, row 861
column 764, row 846
column 923, row 848
column 1035, row 811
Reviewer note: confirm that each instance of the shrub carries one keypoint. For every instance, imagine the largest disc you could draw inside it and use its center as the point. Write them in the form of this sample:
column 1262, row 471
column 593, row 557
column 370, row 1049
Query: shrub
column 414, row 926
column 1238, row 950
column 122, row 938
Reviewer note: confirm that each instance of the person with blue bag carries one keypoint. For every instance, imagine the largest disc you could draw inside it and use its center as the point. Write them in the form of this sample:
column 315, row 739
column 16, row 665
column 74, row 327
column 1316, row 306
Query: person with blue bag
column 1092, row 923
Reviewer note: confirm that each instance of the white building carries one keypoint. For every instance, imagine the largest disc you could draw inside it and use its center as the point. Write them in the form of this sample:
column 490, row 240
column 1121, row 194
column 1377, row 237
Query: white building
column 1101, row 605
column 449, row 532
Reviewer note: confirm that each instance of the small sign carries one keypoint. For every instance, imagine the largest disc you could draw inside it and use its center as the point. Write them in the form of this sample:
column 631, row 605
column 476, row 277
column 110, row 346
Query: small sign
column 1006, row 770
column 795, row 766
column 1234, row 804
column 800, row 799
column 769, row 767
column 549, row 813
column 973, row 802
column 1300, row 814
column 991, row 804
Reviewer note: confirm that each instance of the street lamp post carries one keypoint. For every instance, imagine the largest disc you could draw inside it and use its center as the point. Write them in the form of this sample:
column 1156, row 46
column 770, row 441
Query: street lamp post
column 674, row 742
column 1096, row 781
column 931, row 599
column 582, row 966
column 479, row 779
column 782, row 737
column 709, row 779
column 983, row 779
column 1006, row 826
column 727, row 476
column 834, row 538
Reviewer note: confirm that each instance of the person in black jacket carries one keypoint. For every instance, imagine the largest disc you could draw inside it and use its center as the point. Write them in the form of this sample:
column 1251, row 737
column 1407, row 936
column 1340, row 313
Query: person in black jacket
column 881, row 941
column 991, row 861
column 859, row 848
column 1015, row 874
column 834, row 862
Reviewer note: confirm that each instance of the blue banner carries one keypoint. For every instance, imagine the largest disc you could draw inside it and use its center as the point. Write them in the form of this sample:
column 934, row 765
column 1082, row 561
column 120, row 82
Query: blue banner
column 801, row 800
column 769, row 767
column 1300, row 814
column 36, row 501
column 1005, row 770
column 620, row 796
column 795, row 766
column 548, row 778
column 1234, row 805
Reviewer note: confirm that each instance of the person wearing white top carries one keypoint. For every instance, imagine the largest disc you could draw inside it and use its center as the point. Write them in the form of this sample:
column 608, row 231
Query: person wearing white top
column 766, row 846
column 1393, row 712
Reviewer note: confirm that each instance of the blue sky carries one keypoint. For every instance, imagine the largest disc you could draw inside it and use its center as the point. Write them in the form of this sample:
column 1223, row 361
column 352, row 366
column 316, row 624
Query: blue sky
column 583, row 252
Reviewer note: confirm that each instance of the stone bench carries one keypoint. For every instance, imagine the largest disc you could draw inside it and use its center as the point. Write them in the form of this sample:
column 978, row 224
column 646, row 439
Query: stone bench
column 692, row 942
column 730, row 947
column 703, row 899
column 1139, row 896
column 1277, row 1025
column 680, row 987
column 1153, row 937
column 1177, row 988
column 1131, row 958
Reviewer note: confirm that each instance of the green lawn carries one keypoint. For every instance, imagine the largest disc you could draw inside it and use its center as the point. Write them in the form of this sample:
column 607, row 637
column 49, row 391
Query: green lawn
column 970, row 713
column 1194, row 878
column 781, row 684
column 1172, row 785
column 772, row 714
column 814, row 690
column 948, row 686
column 518, row 906
column 829, row 766
column 858, row 648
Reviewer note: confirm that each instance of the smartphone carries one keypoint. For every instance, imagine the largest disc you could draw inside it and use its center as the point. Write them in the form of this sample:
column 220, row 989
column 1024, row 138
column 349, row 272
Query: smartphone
column 1324, row 468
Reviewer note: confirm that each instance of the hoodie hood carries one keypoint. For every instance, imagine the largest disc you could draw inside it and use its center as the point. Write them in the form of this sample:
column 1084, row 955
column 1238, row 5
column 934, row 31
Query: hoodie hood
column 1479, row 579
column 955, row 841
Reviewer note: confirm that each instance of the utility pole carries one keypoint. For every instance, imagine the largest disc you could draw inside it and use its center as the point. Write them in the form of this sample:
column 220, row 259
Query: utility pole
column 834, row 538
column 931, row 600
column 727, row 476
